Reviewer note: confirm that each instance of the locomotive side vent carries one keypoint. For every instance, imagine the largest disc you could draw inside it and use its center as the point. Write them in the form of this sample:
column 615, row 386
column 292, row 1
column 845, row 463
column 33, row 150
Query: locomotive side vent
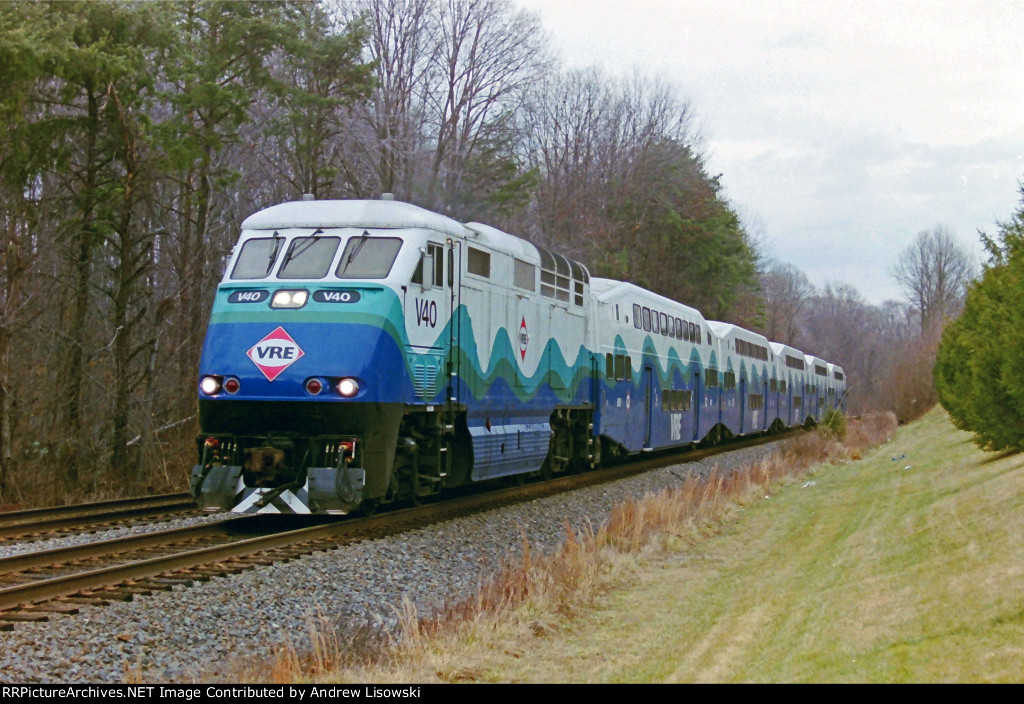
column 424, row 379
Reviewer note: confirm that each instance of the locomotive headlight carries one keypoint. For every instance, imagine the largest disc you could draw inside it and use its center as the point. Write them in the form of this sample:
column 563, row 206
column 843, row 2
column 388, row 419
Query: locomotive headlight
column 210, row 385
column 289, row 299
column 348, row 387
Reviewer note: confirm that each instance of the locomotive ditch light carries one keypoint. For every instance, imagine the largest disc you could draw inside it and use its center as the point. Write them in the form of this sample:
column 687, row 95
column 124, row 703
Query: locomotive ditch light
column 210, row 385
column 348, row 387
column 289, row 299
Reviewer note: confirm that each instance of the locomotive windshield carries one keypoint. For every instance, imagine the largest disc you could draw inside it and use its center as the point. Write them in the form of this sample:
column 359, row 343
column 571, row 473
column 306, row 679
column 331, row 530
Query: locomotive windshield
column 309, row 258
column 257, row 258
column 368, row 257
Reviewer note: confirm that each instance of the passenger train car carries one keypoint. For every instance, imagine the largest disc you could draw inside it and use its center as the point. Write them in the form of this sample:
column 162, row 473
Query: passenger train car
column 368, row 351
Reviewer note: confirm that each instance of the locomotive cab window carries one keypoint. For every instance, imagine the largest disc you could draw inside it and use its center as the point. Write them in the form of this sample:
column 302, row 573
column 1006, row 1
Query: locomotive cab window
column 368, row 257
column 435, row 254
column 257, row 257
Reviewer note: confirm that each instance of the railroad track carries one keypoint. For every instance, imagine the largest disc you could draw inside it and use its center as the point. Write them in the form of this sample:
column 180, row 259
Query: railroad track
column 40, row 523
column 34, row 586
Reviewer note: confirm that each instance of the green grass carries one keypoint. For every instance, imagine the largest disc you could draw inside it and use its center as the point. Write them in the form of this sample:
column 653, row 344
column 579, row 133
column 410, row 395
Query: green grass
column 873, row 573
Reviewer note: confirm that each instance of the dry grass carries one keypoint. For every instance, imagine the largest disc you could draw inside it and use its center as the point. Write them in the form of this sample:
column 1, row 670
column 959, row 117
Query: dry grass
column 542, row 594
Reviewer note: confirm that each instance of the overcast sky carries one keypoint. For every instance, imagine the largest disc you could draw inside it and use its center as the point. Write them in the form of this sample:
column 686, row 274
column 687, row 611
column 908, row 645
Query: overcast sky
column 841, row 129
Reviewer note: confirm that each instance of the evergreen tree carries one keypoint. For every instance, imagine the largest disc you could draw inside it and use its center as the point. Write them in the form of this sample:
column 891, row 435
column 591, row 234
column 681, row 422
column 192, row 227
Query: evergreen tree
column 979, row 373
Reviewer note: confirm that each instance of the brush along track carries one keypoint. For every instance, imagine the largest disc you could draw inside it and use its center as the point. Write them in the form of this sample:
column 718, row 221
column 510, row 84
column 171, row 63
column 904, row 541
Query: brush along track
column 34, row 585
column 40, row 523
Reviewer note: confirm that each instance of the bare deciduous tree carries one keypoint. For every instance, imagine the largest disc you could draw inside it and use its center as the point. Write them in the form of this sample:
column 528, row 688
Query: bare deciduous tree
column 785, row 290
column 489, row 54
column 934, row 272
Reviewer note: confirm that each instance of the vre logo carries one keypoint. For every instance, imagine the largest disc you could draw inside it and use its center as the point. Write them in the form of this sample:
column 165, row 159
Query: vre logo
column 275, row 353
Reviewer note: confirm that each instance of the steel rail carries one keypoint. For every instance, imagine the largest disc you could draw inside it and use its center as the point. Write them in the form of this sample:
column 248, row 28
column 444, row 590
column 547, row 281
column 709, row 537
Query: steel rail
column 111, row 547
column 97, row 507
column 33, row 526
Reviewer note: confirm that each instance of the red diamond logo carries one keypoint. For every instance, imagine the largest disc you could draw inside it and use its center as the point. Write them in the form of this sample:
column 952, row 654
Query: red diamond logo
column 275, row 353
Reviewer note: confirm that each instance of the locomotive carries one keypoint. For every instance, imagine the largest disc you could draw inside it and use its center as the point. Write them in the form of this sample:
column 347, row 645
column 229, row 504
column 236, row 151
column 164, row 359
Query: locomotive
column 362, row 352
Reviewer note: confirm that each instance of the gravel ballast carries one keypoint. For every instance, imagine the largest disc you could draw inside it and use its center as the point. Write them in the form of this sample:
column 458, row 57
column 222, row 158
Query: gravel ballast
column 191, row 634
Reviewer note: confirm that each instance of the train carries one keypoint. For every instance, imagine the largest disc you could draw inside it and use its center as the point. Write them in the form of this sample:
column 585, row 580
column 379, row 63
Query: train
column 367, row 352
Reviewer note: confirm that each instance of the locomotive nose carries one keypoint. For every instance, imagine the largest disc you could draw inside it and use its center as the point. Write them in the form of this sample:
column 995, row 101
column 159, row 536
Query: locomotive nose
column 300, row 362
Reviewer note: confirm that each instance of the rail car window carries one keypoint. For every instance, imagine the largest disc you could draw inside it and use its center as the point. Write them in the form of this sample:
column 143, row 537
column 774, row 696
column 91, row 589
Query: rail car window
column 838, row 376
column 647, row 319
column 729, row 382
column 257, row 258
column 820, row 370
column 609, row 366
column 525, row 275
column 637, row 315
column 309, row 258
column 773, row 385
column 655, row 325
column 623, row 367
column 664, row 324
column 798, row 401
column 479, row 262
column 710, row 378
column 756, row 402
column 676, row 400
column 679, row 329
column 794, row 362
column 368, row 257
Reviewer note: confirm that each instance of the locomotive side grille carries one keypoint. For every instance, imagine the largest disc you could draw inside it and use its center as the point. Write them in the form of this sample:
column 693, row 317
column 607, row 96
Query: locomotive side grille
column 424, row 378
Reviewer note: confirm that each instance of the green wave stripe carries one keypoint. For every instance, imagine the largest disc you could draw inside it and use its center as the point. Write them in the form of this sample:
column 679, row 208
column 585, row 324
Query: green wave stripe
column 382, row 308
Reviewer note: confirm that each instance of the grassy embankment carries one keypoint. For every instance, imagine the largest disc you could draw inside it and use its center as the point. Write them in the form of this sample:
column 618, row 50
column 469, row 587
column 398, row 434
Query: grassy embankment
column 869, row 569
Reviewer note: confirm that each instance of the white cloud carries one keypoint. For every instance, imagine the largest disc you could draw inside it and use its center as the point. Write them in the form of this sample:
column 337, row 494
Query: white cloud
column 843, row 129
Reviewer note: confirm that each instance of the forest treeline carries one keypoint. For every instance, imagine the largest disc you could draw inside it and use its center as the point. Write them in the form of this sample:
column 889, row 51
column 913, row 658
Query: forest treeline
column 138, row 135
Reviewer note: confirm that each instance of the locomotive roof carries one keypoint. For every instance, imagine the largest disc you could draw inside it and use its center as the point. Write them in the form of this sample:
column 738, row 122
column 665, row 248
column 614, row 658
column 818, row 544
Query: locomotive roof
column 388, row 214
